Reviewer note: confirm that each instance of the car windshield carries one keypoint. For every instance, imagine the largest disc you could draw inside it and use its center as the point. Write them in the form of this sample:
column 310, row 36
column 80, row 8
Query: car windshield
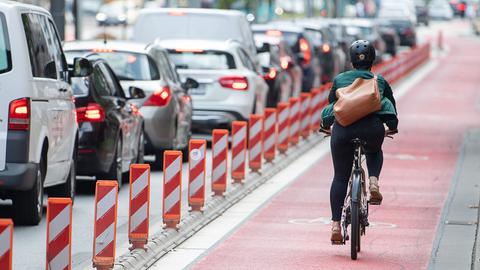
column 200, row 59
column 5, row 58
column 126, row 65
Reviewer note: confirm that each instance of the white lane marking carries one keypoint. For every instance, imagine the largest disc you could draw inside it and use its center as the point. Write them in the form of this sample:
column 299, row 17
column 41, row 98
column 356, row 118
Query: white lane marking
column 59, row 223
column 140, row 184
column 172, row 199
column 104, row 239
column 139, row 216
column 61, row 260
column 172, row 169
column 106, row 203
column 207, row 237
column 4, row 241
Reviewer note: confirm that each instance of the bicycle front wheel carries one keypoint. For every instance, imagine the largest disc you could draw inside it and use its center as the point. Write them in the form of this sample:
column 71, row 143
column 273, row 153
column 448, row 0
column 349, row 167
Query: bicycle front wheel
column 355, row 230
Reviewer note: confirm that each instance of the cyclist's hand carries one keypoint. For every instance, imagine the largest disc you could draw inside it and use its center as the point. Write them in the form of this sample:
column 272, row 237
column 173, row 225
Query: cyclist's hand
column 328, row 132
column 390, row 132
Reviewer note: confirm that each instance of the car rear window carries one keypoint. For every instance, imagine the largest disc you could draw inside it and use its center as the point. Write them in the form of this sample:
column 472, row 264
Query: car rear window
column 5, row 53
column 126, row 65
column 202, row 59
column 290, row 37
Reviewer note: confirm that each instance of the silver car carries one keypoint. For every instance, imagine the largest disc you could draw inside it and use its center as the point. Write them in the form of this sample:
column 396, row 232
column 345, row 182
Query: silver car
column 167, row 107
column 230, row 87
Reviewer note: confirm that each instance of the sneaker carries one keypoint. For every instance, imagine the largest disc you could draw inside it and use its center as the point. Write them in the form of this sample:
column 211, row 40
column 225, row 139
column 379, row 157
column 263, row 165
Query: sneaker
column 336, row 237
column 375, row 195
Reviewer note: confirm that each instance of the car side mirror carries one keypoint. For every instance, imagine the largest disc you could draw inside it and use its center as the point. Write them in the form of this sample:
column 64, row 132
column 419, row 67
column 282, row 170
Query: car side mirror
column 50, row 70
column 190, row 83
column 265, row 48
column 81, row 67
column 136, row 93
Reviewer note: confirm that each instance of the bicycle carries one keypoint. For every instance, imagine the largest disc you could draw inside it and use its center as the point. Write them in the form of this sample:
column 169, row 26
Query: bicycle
column 355, row 206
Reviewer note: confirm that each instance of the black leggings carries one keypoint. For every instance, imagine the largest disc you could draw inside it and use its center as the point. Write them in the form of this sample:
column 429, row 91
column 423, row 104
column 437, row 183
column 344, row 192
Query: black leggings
column 370, row 129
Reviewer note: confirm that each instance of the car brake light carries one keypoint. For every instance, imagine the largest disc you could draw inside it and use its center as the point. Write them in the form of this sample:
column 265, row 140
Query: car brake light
column 159, row 98
column 92, row 113
column 284, row 63
column 190, row 50
column 19, row 114
column 272, row 73
column 102, row 50
column 234, row 82
column 176, row 13
column 326, row 48
column 305, row 49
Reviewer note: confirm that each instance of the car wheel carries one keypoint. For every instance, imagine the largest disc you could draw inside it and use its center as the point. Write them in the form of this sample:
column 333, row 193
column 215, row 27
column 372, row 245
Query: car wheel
column 67, row 189
column 115, row 172
column 28, row 205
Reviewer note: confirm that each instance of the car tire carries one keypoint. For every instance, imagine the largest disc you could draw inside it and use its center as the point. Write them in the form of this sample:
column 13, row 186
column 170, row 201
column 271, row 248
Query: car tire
column 67, row 189
column 28, row 205
column 115, row 172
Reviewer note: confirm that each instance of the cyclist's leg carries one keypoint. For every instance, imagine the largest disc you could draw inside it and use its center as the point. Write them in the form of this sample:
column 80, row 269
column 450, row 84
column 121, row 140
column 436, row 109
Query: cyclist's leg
column 342, row 156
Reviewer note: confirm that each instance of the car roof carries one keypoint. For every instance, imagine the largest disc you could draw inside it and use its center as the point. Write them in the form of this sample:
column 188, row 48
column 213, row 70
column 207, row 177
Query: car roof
column 129, row 46
column 13, row 5
column 198, row 44
column 203, row 11
column 282, row 26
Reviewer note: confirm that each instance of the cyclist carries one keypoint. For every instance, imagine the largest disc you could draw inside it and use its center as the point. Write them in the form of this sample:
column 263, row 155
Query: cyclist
column 370, row 129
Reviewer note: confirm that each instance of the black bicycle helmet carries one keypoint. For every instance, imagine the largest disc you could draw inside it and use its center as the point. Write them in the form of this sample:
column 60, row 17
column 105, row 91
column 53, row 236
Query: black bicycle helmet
column 362, row 54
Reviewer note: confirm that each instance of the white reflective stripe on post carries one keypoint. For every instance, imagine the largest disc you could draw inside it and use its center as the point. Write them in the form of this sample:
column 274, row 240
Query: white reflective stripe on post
column 196, row 184
column 283, row 135
column 220, row 146
column 295, row 108
column 219, row 170
column 59, row 223
column 139, row 216
column 61, row 260
column 106, row 203
column 256, row 129
column 104, row 239
column 283, row 116
column 239, row 136
column 256, row 149
column 172, row 199
column 5, row 241
column 270, row 121
column 238, row 159
column 140, row 184
column 172, row 169
column 194, row 162
column 269, row 142
column 294, row 127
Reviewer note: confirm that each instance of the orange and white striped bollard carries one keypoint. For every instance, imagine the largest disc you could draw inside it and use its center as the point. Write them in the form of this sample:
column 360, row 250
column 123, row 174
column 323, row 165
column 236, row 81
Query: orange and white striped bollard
column 139, row 207
column 6, row 244
column 196, row 176
column 255, row 134
column 219, row 161
column 283, row 111
column 270, row 134
column 239, row 152
column 306, row 116
column 59, row 234
column 172, row 188
column 294, row 120
column 105, row 227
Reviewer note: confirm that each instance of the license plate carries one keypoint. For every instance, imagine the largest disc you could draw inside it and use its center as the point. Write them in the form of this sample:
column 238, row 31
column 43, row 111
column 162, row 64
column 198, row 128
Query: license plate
column 200, row 90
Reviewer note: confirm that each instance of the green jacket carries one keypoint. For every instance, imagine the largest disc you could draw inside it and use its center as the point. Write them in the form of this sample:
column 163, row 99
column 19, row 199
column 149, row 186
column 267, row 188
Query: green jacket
column 388, row 113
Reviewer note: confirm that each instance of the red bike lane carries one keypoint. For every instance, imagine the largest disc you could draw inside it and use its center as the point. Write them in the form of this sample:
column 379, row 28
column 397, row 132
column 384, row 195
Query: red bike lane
column 292, row 230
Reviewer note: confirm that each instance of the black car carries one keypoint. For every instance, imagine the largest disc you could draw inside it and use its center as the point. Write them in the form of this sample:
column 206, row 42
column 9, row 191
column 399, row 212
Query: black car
column 389, row 35
column 301, row 46
column 110, row 128
column 406, row 31
column 277, row 78
column 421, row 11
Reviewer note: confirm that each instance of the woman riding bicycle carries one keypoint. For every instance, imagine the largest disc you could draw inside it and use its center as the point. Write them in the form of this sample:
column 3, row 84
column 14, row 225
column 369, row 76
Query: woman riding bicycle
column 369, row 129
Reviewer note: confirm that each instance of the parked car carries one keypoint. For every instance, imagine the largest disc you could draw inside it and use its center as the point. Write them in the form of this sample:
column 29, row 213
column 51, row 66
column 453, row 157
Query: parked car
column 367, row 29
column 116, row 13
column 194, row 24
column 278, row 80
column 287, row 62
column 389, row 36
column 406, row 31
column 330, row 54
column 440, row 10
column 230, row 88
column 339, row 29
column 37, row 116
column 404, row 9
column 421, row 11
column 110, row 128
column 167, row 107
column 301, row 46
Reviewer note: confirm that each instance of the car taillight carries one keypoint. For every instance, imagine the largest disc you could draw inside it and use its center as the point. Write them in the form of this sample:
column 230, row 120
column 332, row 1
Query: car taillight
column 19, row 114
column 272, row 73
column 326, row 48
column 92, row 113
column 234, row 82
column 305, row 49
column 159, row 98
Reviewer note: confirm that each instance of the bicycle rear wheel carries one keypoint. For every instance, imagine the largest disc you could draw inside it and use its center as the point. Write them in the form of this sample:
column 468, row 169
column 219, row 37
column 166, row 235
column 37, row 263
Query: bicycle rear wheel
column 354, row 230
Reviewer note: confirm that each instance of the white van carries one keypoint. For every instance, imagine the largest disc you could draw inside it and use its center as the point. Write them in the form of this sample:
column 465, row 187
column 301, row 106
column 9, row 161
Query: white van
column 38, row 129
column 194, row 24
